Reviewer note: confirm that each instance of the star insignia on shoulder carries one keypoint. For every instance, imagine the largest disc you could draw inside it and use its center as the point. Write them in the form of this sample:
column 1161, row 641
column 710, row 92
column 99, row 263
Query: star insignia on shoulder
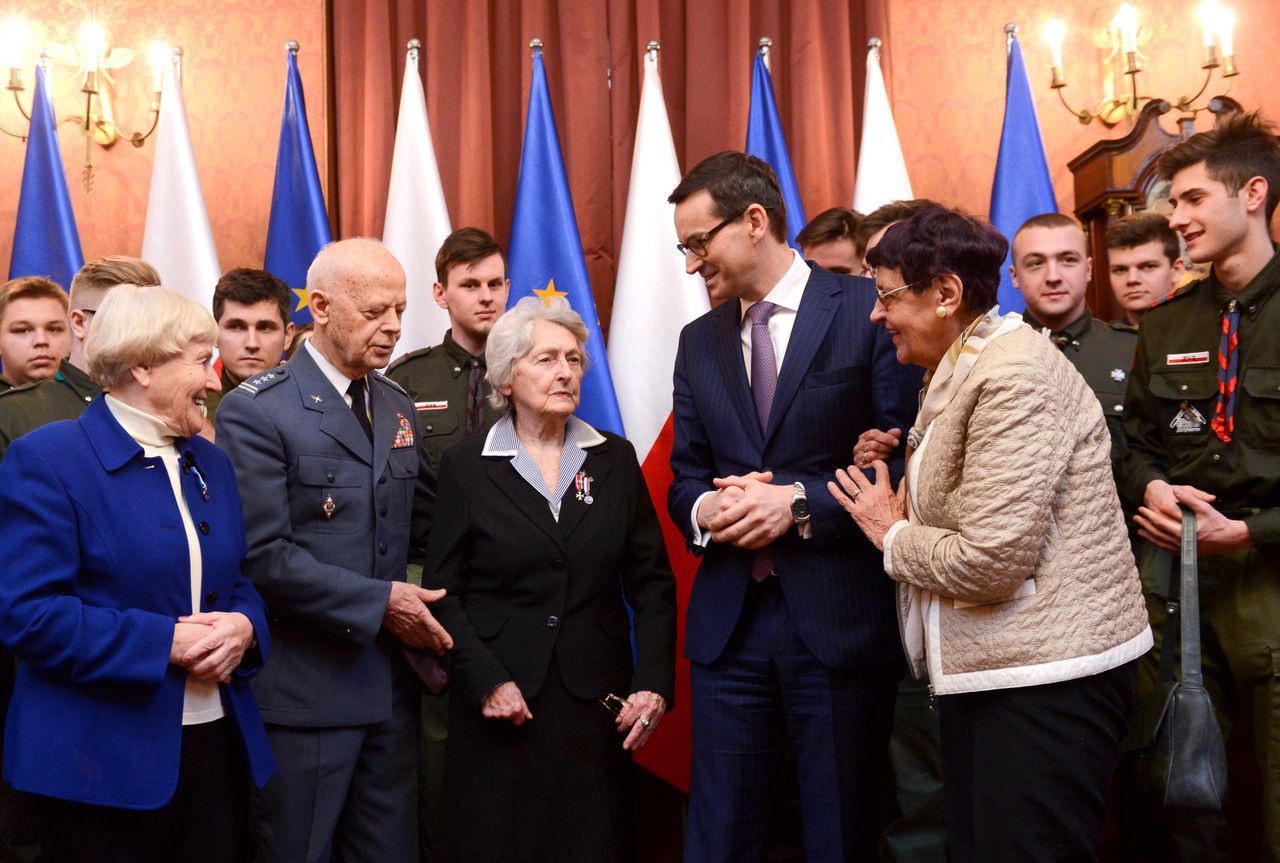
column 1117, row 374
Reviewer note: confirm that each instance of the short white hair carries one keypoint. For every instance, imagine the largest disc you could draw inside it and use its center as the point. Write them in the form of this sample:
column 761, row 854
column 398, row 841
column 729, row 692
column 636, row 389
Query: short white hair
column 142, row 326
column 512, row 337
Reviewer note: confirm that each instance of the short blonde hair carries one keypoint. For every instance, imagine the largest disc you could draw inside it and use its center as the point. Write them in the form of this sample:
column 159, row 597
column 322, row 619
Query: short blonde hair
column 105, row 273
column 512, row 337
column 142, row 326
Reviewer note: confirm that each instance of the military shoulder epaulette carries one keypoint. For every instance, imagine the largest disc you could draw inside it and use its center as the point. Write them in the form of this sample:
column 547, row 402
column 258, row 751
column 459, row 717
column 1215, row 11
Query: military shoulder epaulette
column 1121, row 327
column 21, row 388
column 386, row 380
column 1180, row 291
column 264, row 381
column 412, row 355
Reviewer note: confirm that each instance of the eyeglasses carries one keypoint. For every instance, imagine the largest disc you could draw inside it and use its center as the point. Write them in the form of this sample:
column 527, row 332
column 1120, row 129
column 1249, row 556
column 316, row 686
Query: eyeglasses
column 883, row 295
column 698, row 245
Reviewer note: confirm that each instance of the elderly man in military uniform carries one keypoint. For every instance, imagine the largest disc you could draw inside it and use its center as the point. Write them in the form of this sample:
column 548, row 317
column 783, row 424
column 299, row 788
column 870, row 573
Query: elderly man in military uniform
column 450, row 393
column 1202, row 416
column 26, row 408
column 1051, row 267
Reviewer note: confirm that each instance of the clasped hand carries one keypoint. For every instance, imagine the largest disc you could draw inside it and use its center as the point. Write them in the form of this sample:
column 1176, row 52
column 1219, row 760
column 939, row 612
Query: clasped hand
column 211, row 645
column 1160, row 520
column 747, row 511
column 875, row 506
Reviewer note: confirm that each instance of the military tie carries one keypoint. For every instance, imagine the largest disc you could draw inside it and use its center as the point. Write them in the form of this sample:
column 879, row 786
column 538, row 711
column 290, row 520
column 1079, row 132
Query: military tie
column 764, row 383
column 358, row 407
column 1224, row 416
column 475, row 398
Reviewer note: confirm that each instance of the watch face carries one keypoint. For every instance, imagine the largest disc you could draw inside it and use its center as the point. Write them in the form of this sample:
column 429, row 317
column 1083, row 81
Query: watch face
column 800, row 509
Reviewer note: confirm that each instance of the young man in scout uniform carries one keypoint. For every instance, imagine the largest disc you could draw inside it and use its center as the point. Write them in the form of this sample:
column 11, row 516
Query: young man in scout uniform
column 33, row 330
column 1051, row 267
column 252, row 310
column 1145, row 261
column 1202, row 418
column 449, row 390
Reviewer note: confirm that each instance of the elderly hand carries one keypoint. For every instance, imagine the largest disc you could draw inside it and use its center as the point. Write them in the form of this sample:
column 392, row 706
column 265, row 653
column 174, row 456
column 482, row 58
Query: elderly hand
column 506, row 702
column 760, row 516
column 874, row 444
column 227, row 636
column 642, row 714
column 1160, row 521
column 874, row 505
column 408, row 619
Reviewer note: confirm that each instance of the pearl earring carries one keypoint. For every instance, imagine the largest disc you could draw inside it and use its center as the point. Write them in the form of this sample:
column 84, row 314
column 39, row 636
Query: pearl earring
column 940, row 311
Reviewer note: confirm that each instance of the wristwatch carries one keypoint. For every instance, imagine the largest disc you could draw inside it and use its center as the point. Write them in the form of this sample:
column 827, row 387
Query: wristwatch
column 800, row 504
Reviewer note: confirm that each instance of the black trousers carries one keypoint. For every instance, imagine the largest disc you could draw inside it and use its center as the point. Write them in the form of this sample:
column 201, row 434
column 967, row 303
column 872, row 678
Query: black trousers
column 1026, row 771
column 206, row 820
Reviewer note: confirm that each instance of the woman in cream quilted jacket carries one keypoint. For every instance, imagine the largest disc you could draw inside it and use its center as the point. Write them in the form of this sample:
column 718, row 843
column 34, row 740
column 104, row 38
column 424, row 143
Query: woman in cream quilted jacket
column 1017, row 589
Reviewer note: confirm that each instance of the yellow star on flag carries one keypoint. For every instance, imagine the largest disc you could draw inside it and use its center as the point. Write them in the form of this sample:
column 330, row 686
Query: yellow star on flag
column 304, row 298
column 549, row 293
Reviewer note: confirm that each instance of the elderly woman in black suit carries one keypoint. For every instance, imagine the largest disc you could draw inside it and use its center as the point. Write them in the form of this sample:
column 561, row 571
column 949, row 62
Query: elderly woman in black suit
column 544, row 534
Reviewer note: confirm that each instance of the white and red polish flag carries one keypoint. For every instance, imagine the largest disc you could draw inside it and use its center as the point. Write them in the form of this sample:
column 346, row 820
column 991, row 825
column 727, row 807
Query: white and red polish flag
column 653, row 300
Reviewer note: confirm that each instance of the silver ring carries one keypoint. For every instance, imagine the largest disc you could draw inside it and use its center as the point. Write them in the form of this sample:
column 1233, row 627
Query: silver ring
column 855, row 495
column 644, row 722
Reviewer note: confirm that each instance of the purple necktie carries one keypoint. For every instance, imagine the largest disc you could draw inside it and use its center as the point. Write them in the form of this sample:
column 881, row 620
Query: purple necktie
column 764, row 383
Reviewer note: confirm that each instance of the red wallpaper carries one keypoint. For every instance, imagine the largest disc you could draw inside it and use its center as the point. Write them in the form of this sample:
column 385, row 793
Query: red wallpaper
column 233, row 70
column 948, row 70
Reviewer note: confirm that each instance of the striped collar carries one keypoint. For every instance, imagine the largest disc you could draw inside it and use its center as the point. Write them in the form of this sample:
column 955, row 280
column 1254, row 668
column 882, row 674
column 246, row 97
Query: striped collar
column 579, row 436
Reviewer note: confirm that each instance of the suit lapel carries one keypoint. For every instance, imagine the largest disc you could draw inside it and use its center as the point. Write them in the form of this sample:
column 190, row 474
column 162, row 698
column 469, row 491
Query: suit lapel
column 733, row 371
column 813, row 319
column 571, row 509
column 337, row 420
column 528, row 502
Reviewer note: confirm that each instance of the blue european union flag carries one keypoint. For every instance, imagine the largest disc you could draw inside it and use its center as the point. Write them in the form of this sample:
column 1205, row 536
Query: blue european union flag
column 299, row 226
column 1022, row 187
column 546, row 252
column 45, row 239
column 766, row 141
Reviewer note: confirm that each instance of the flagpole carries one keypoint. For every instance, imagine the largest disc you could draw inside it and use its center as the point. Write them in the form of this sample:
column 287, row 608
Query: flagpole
column 765, row 44
column 1010, row 31
column 535, row 44
column 414, row 46
column 652, row 49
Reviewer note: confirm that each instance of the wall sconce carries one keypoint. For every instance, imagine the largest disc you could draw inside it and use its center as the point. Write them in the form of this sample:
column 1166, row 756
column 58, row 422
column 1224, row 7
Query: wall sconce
column 94, row 58
column 1121, row 39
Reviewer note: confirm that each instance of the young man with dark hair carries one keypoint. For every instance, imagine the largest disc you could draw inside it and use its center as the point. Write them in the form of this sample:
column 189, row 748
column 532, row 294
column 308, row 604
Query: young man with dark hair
column 828, row 241
column 1145, row 261
column 1203, row 425
column 33, row 330
column 874, row 224
column 252, row 308
column 791, row 631
column 1051, row 267
column 449, row 390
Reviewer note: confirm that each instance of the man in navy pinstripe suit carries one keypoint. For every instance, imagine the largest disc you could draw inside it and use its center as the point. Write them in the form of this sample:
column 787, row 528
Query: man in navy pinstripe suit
column 791, row 630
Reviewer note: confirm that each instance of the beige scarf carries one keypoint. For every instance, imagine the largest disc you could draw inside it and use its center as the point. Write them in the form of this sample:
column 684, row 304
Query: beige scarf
column 940, row 387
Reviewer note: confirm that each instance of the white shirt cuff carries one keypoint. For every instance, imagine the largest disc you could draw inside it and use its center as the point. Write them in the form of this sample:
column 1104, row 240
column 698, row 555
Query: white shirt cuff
column 888, row 544
column 700, row 539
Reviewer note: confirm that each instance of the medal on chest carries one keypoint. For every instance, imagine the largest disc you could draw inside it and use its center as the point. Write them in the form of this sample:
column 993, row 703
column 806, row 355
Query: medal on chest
column 582, row 482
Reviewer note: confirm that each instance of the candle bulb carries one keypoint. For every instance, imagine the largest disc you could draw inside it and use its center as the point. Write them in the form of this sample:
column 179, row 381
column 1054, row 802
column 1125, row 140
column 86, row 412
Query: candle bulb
column 13, row 41
column 160, row 54
column 93, row 45
column 1054, row 32
column 1209, row 22
column 1127, row 21
column 1226, row 28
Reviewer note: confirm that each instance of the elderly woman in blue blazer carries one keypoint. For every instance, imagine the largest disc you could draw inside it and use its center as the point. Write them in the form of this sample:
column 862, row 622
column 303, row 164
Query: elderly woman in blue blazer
column 132, row 722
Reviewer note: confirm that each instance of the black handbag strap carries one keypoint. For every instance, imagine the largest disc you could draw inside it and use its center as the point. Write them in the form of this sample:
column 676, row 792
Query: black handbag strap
column 1182, row 618
column 1189, row 604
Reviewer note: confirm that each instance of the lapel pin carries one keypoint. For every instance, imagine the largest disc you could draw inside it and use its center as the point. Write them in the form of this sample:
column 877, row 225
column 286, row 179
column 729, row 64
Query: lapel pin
column 317, row 399
column 329, row 506
column 582, row 482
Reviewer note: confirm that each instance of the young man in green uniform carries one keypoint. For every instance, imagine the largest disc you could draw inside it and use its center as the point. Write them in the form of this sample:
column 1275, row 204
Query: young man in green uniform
column 22, row 409
column 1202, row 417
column 33, row 329
column 1145, row 261
column 252, row 310
column 1051, row 267
column 448, row 387
column 65, row 395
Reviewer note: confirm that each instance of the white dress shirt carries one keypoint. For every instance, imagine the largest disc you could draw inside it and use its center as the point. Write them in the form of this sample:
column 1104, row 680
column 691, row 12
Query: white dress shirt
column 785, row 296
column 337, row 378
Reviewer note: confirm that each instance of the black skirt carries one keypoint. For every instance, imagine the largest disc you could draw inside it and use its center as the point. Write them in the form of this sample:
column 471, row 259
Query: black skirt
column 556, row 788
